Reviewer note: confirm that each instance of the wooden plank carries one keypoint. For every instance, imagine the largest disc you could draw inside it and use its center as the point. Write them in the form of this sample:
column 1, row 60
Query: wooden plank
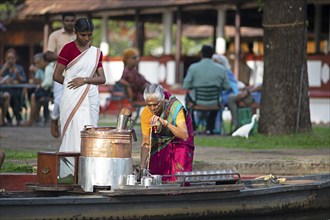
column 164, row 190
column 292, row 182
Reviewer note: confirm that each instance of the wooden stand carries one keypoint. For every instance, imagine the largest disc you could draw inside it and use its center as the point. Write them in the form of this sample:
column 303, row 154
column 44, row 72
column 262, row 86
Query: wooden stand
column 49, row 167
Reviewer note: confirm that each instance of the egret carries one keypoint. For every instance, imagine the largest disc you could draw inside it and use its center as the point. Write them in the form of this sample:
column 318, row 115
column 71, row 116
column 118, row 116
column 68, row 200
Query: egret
column 245, row 130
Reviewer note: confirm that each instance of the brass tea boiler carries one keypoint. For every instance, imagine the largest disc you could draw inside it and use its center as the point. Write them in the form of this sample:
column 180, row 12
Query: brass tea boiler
column 106, row 157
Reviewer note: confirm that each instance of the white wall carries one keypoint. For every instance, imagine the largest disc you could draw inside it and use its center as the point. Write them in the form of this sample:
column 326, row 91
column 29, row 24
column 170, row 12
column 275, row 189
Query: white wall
column 153, row 71
column 320, row 110
column 317, row 74
column 113, row 71
column 150, row 70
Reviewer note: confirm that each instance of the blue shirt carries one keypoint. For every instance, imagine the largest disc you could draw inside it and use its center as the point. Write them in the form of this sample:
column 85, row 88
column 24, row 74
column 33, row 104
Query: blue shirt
column 234, row 88
column 40, row 75
column 13, row 75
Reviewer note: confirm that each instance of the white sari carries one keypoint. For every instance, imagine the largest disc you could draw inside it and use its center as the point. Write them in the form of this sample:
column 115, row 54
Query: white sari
column 79, row 107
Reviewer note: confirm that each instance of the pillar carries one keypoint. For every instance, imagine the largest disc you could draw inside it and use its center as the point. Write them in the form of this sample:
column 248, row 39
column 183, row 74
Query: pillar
column 178, row 44
column 104, row 36
column 237, row 41
column 167, row 24
column 220, row 47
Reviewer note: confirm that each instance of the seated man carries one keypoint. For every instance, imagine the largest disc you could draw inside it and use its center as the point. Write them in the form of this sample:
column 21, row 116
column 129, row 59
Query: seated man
column 206, row 73
column 36, row 74
column 43, row 93
column 248, row 96
column 232, row 92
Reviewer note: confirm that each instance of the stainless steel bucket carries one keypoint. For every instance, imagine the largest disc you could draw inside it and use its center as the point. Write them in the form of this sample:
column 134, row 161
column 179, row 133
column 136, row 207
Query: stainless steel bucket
column 101, row 172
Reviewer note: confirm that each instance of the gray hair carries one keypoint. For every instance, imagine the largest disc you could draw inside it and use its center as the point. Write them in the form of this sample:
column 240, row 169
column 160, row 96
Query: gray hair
column 154, row 91
column 221, row 59
column 38, row 56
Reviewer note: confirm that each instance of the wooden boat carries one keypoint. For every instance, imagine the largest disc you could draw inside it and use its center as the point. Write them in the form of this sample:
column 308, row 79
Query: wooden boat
column 296, row 197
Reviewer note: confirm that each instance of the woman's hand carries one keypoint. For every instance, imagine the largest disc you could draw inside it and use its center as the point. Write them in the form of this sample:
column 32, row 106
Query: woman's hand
column 76, row 83
column 155, row 120
column 179, row 131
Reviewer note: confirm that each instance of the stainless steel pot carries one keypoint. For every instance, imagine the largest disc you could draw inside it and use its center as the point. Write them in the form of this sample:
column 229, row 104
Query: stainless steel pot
column 146, row 181
column 157, row 180
column 131, row 180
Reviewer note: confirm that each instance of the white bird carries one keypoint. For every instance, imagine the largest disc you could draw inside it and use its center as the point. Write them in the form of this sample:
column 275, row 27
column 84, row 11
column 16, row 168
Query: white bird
column 245, row 130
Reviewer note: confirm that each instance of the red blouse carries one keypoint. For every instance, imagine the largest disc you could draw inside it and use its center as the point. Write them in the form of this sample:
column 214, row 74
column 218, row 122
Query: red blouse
column 71, row 51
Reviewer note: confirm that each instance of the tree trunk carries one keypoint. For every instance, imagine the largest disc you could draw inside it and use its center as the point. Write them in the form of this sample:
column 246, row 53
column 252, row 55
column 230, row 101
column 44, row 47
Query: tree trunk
column 285, row 102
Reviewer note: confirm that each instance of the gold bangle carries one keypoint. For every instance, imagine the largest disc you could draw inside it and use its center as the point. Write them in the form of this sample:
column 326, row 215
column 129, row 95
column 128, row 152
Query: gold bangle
column 85, row 80
column 166, row 124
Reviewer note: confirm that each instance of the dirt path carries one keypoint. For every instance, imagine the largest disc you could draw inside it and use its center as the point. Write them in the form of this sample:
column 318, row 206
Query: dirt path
column 280, row 162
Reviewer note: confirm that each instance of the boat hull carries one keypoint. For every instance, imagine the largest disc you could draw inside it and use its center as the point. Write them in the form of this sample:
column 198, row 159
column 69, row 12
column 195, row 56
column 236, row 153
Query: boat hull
column 209, row 202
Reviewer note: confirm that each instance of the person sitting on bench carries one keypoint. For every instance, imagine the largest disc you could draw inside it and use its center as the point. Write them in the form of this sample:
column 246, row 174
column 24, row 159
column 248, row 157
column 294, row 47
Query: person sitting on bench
column 134, row 82
column 44, row 93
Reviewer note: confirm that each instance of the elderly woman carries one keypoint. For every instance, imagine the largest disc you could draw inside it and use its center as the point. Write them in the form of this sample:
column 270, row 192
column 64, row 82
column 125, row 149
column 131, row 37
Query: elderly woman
column 168, row 136
column 134, row 82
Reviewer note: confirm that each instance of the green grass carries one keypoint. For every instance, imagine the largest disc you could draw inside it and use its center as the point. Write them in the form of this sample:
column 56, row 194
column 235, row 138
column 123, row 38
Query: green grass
column 20, row 154
column 109, row 124
column 319, row 138
column 10, row 166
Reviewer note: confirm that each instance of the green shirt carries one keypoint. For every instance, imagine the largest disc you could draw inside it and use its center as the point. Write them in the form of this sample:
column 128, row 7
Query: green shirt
column 206, row 73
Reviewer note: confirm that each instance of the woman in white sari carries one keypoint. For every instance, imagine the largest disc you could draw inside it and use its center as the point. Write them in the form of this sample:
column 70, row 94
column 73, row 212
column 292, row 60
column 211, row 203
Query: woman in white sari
column 83, row 71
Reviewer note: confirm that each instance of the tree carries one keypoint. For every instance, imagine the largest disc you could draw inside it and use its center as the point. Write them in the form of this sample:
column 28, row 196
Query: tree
column 8, row 10
column 285, row 102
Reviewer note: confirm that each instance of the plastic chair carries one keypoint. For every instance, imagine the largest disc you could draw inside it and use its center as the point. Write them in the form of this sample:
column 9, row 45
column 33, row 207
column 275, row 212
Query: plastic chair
column 204, row 94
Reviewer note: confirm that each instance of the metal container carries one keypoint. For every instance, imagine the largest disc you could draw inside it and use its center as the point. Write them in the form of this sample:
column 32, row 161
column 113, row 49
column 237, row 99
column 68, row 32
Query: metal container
column 106, row 142
column 157, row 180
column 106, row 157
column 146, row 181
column 122, row 121
column 131, row 180
column 102, row 172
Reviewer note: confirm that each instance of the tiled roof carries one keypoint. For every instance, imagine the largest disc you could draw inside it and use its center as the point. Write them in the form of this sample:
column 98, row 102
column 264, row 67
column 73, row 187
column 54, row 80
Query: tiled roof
column 42, row 7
